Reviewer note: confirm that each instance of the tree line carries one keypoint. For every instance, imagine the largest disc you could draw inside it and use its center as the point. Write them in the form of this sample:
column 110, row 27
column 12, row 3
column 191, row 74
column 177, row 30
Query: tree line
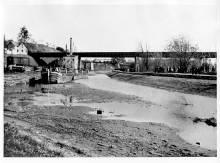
column 181, row 60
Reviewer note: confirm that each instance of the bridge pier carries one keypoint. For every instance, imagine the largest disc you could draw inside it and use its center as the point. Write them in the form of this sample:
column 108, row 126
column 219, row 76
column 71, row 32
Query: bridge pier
column 76, row 64
column 92, row 66
column 80, row 64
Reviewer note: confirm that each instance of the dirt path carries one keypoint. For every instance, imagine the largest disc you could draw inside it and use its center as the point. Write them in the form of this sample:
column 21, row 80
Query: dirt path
column 72, row 131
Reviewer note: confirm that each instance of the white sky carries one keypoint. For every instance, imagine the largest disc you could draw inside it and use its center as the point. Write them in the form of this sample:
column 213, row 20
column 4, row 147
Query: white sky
column 118, row 27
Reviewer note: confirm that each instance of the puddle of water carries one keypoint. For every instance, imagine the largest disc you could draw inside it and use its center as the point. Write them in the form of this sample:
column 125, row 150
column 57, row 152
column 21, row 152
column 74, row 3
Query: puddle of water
column 48, row 99
column 200, row 132
column 171, row 108
column 189, row 131
column 203, row 107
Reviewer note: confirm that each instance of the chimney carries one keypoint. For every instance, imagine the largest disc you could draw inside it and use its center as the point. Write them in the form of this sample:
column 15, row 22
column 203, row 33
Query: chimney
column 71, row 48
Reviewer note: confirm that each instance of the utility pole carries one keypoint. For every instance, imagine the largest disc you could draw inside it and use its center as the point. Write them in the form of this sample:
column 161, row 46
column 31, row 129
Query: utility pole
column 4, row 45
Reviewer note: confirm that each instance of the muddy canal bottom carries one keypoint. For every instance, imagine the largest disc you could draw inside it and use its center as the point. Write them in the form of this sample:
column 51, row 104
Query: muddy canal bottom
column 138, row 111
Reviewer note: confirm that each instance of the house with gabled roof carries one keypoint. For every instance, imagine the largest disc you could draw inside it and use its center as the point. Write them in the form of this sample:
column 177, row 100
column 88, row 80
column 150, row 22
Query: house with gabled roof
column 18, row 54
column 14, row 48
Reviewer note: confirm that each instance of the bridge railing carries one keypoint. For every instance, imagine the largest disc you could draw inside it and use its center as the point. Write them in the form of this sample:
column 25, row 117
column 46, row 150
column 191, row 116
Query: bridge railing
column 72, row 71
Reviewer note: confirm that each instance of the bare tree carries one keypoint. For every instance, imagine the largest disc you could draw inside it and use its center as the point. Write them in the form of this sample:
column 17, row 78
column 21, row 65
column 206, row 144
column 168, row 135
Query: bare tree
column 184, row 51
column 145, row 59
column 140, row 47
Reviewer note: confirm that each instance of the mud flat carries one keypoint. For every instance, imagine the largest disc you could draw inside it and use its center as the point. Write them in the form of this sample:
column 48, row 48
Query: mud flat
column 55, row 123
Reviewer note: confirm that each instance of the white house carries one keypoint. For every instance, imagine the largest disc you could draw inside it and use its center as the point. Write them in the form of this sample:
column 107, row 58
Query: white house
column 15, row 48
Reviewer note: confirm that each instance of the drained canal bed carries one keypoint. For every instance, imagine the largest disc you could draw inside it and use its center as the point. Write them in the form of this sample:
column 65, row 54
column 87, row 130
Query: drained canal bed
column 176, row 110
column 193, row 132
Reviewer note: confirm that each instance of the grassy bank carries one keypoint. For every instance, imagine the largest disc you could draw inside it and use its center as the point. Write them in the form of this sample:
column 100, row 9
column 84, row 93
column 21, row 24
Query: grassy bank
column 175, row 75
column 185, row 85
column 18, row 145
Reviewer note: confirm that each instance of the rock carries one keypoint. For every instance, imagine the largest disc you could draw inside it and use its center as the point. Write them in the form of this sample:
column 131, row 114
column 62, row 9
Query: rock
column 196, row 120
column 99, row 111
column 198, row 143
column 173, row 146
column 95, row 130
column 211, row 122
column 164, row 141
column 100, row 144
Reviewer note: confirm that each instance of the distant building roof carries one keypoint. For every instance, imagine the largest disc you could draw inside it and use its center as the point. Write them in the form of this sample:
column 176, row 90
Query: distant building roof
column 39, row 48
column 31, row 47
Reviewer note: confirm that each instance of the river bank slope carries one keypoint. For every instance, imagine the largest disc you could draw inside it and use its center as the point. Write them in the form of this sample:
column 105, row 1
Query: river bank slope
column 192, row 86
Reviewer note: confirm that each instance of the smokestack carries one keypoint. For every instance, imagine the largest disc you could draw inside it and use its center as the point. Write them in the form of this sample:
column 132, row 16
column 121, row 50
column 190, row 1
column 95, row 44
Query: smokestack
column 4, row 45
column 71, row 48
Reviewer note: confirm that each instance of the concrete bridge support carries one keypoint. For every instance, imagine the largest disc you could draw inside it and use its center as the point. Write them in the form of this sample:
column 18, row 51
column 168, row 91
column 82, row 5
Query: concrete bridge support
column 80, row 64
column 92, row 66
column 76, row 64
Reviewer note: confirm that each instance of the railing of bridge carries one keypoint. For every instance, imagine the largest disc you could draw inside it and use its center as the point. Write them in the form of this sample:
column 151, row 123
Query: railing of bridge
column 71, row 71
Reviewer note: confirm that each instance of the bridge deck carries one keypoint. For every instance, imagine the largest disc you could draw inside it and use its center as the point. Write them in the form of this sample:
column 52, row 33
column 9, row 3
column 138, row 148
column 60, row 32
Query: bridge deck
column 87, row 54
column 123, row 54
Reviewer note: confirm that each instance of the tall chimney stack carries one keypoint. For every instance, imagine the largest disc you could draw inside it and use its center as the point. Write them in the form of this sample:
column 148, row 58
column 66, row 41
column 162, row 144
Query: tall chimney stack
column 71, row 48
